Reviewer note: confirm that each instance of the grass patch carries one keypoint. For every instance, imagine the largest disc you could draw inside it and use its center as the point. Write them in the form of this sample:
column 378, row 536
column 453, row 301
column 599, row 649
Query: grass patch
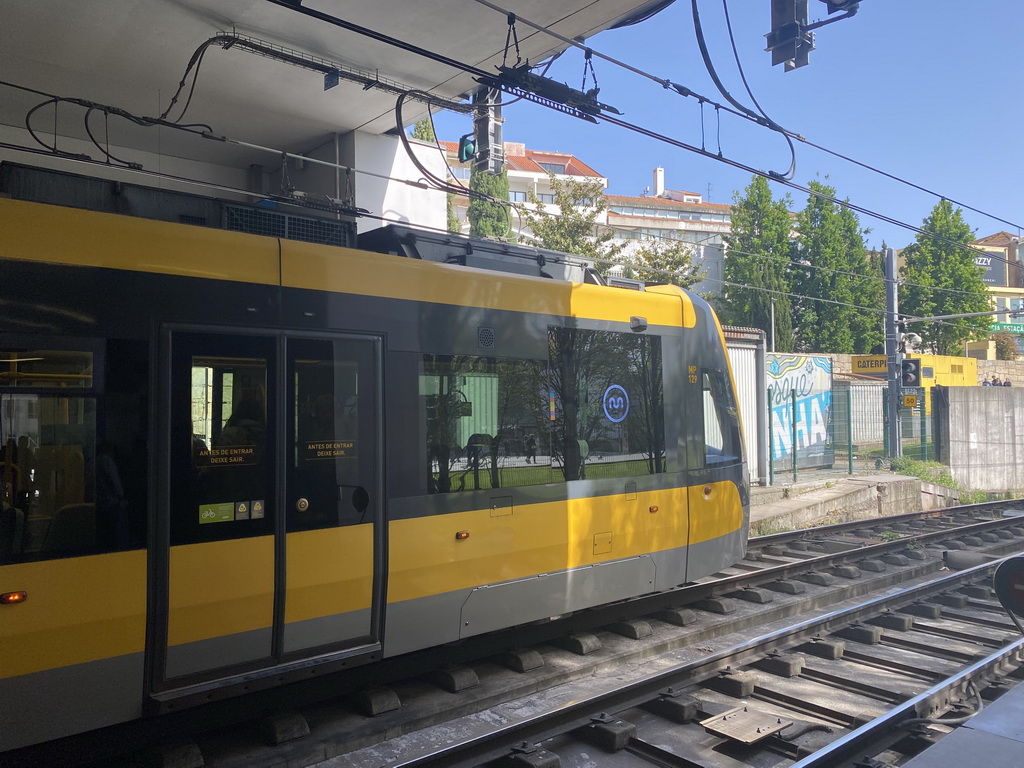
column 767, row 528
column 934, row 472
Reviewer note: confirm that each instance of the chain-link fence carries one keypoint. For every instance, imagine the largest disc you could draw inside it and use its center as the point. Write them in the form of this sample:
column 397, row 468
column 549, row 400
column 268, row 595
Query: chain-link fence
column 847, row 431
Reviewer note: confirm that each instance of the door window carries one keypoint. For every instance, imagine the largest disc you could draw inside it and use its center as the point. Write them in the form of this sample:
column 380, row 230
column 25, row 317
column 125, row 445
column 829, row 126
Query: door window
column 332, row 398
column 221, row 437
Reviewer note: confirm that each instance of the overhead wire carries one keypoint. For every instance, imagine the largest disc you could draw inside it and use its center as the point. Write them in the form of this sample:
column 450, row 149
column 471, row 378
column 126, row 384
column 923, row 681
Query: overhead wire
column 761, row 118
column 745, row 114
column 468, row 68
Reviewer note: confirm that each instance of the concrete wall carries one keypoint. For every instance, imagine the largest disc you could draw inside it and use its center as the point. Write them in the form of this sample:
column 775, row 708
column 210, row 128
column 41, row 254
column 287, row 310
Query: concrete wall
column 981, row 435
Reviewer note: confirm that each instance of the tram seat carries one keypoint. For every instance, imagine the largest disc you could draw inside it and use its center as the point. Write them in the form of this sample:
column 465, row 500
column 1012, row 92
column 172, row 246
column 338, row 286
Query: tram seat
column 12, row 532
column 72, row 529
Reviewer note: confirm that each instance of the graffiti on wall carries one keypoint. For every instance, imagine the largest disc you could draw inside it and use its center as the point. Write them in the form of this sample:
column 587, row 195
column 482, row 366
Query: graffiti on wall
column 810, row 378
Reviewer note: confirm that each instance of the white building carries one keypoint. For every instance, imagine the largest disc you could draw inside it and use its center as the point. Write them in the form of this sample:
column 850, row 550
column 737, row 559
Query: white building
column 528, row 171
column 666, row 215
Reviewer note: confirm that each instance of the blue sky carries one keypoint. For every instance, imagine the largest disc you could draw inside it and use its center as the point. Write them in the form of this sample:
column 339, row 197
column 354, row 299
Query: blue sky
column 926, row 90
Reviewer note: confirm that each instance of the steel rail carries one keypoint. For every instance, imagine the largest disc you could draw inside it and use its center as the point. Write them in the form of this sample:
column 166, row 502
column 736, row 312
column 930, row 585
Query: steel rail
column 874, row 522
column 536, row 728
column 853, row 744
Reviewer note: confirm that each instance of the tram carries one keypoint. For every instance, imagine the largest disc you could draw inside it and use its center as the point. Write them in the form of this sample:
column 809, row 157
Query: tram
column 228, row 456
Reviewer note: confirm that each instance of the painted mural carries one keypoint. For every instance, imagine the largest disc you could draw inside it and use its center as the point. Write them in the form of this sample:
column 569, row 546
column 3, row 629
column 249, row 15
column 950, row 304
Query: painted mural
column 811, row 378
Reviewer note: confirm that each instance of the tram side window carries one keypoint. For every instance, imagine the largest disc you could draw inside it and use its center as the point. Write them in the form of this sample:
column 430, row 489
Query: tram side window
column 70, row 482
column 219, row 422
column 721, row 419
column 606, row 395
column 486, row 422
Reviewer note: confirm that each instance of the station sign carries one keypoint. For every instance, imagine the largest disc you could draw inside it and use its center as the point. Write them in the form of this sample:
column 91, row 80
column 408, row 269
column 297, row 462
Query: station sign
column 871, row 365
column 1008, row 327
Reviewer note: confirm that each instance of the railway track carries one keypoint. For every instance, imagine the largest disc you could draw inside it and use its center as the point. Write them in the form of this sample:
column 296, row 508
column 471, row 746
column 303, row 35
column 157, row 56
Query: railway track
column 784, row 576
column 878, row 681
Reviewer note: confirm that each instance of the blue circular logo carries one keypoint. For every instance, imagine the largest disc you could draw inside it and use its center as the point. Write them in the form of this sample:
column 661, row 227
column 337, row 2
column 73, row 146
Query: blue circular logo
column 615, row 403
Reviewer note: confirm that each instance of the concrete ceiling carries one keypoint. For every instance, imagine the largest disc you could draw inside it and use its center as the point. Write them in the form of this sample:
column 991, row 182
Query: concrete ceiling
column 132, row 55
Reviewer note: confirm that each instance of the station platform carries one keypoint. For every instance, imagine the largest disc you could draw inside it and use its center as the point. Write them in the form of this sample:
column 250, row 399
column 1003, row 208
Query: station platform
column 823, row 501
column 994, row 737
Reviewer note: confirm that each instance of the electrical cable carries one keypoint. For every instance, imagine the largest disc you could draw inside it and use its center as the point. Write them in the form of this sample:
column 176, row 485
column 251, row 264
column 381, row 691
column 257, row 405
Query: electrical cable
column 761, row 119
column 684, row 91
column 442, row 184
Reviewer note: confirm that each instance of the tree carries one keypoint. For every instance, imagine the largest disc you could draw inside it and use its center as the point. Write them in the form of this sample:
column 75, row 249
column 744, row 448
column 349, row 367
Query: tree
column 1006, row 345
column 663, row 261
column 831, row 263
column 755, row 264
column 571, row 230
column 488, row 217
column 424, row 130
column 454, row 225
column 941, row 278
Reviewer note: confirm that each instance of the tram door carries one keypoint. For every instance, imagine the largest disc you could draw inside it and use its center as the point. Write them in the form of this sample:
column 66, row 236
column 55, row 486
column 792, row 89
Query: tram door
column 273, row 550
column 332, row 494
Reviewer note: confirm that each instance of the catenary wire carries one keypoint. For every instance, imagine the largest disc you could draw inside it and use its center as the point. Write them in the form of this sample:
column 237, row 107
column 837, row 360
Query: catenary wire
column 684, row 91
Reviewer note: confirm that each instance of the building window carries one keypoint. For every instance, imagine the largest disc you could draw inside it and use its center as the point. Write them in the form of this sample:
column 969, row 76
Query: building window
column 517, row 197
column 553, row 167
column 546, row 199
column 459, row 172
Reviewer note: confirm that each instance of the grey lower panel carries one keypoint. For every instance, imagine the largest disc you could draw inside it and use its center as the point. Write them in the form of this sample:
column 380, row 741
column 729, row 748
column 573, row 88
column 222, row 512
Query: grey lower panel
column 46, row 705
column 440, row 619
column 218, row 652
column 670, row 568
column 427, row 621
column 502, row 605
column 327, row 630
column 446, row 618
column 714, row 555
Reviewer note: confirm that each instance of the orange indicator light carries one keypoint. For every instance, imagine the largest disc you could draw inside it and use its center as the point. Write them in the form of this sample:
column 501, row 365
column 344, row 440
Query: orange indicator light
column 461, row 535
column 653, row 508
column 13, row 598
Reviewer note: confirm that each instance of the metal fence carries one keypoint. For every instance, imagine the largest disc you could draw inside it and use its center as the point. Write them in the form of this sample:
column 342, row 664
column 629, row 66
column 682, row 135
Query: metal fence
column 848, row 433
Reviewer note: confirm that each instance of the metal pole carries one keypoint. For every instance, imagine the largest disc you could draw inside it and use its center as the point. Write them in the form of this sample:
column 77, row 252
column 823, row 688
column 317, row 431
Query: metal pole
column 924, row 428
column 793, row 424
column 892, row 353
column 849, row 427
column 885, row 424
column 771, row 442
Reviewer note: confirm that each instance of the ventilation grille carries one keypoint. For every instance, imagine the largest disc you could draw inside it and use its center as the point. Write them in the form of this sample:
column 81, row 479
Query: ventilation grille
column 255, row 221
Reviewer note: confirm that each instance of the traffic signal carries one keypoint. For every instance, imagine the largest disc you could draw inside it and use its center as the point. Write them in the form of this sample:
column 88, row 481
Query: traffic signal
column 834, row 6
column 467, row 148
column 910, row 372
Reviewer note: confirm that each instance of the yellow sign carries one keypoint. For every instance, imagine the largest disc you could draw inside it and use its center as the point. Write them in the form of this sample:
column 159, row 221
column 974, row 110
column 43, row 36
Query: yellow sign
column 910, row 401
column 871, row 365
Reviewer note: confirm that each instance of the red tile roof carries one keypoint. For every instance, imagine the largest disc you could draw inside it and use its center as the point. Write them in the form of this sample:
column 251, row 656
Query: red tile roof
column 529, row 160
column 998, row 240
column 665, row 203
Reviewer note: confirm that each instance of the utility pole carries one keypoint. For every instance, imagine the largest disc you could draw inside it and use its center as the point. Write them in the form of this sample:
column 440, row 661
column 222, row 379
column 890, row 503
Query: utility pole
column 892, row 353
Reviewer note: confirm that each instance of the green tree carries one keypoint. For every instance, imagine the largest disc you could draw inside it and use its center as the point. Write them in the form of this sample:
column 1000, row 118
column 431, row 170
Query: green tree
column 663, row 261
column 831, row 263
column 487, row 216
column 423, row 130
column 572, row 229
column 1006, row 345
column 941, row 278
column 755, row 264
column 454, row 225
